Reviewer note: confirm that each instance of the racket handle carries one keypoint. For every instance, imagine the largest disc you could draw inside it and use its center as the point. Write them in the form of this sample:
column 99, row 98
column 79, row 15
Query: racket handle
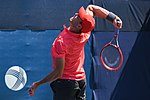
column 117, row 30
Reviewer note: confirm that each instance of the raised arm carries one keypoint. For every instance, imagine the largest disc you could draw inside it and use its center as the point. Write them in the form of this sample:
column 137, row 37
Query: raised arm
column 100, row 12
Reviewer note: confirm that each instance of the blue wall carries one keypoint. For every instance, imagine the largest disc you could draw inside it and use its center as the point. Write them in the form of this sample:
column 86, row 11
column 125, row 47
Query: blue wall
column 31, row 51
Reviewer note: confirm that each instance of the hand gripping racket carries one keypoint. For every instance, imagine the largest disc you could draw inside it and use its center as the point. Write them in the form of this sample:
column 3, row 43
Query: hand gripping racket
column 111, row 55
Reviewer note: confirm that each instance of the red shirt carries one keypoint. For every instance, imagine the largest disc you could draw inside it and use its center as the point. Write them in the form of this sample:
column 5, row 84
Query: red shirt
column 70, row 46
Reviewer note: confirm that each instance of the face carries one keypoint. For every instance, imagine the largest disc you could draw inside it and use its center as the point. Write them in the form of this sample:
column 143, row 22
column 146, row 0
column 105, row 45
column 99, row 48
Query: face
column 75, row 20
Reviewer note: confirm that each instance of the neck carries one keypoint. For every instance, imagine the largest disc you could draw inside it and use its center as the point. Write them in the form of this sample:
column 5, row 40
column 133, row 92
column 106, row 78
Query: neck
column 75, row 30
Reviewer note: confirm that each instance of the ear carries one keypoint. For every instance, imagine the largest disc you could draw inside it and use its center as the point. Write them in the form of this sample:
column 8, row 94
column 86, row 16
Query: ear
column 79, row 26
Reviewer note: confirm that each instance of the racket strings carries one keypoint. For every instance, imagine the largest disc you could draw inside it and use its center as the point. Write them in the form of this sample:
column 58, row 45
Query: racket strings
column 111, row 56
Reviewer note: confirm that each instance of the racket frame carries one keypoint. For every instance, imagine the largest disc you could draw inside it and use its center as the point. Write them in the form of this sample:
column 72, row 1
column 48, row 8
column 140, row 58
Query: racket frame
column 115, row 38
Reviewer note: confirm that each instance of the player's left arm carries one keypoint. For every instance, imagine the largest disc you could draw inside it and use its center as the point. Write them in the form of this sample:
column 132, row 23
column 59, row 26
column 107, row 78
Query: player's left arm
column 100, row 12
column 55, row 74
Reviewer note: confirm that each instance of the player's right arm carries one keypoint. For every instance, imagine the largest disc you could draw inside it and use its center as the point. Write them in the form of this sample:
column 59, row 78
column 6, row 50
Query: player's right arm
column 100, row 12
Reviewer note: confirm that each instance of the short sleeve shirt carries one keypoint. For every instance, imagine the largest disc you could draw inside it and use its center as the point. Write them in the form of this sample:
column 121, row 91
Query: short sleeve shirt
column 70, row 46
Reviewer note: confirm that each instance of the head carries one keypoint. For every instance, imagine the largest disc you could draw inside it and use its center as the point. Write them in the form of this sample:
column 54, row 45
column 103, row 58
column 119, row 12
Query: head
column 76, row 23
column 82, row 21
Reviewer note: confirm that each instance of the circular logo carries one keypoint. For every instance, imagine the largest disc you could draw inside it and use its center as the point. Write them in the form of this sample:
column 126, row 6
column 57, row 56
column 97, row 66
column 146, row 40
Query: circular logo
column 15, row 78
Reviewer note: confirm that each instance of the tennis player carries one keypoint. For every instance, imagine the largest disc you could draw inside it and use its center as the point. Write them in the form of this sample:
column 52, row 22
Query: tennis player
column 68, row 79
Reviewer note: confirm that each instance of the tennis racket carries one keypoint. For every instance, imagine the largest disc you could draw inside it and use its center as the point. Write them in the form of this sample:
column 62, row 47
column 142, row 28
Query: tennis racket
column 111, row 55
